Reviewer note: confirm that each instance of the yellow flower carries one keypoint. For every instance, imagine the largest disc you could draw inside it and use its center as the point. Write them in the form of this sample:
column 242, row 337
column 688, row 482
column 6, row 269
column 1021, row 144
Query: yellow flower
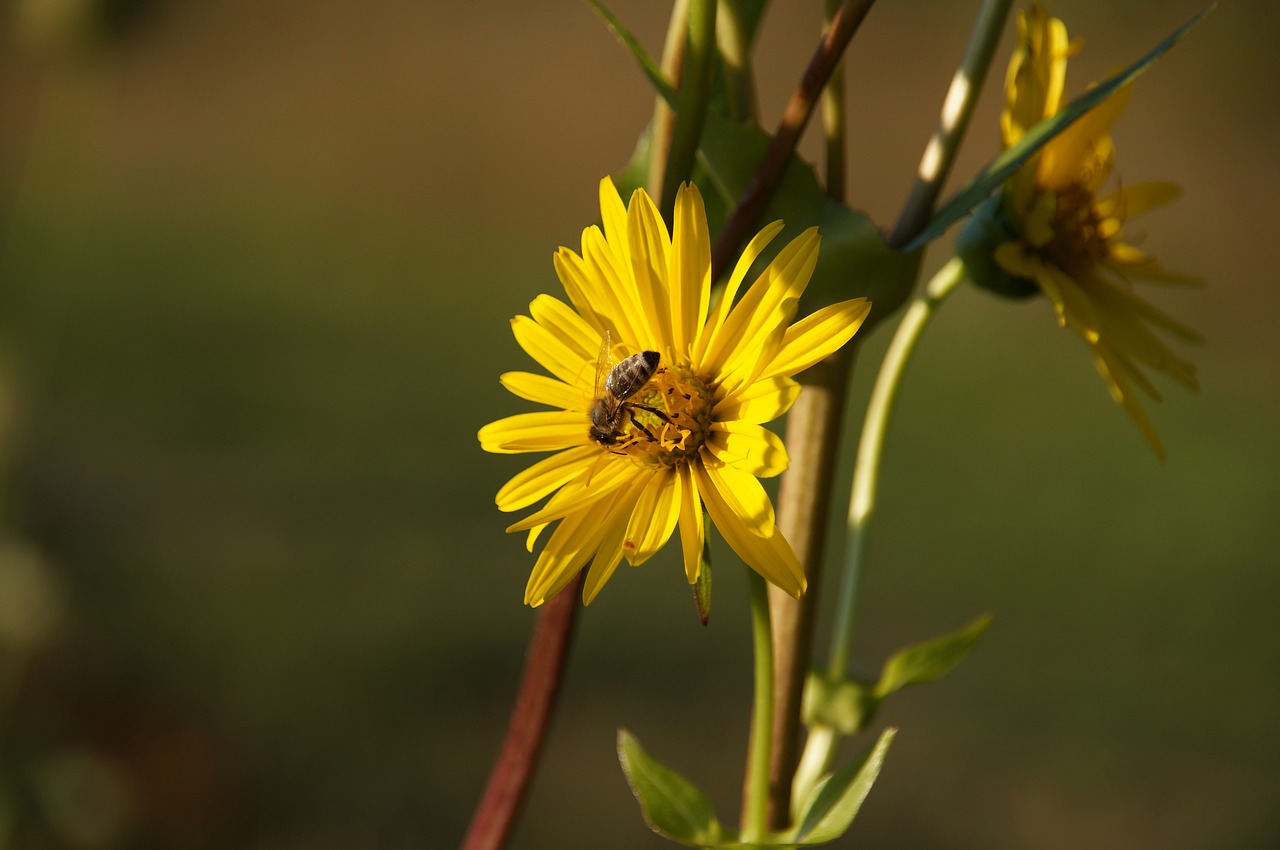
column 690, row 436
column 1070, row 227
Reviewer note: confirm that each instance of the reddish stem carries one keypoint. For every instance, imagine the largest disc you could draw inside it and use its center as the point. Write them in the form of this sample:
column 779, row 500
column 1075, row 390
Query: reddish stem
column 844, row 24
column 496, row 813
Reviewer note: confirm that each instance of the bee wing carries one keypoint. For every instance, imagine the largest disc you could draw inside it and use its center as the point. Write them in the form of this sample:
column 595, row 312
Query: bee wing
column 604, row 363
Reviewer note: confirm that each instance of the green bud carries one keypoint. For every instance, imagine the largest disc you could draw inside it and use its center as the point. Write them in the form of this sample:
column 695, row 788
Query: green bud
column 982, row 233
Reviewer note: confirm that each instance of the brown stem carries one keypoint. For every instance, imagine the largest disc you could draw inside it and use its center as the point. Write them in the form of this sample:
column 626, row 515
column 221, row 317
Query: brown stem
column 763, row 183
column 804, row 500
column 496, row 813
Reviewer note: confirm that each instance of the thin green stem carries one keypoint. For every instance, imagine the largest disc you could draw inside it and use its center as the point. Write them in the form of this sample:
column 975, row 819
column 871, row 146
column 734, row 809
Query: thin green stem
column 957, row 109
column 735, row 61
column 664, row 118
column 866, row 473
column 822, row 742
column 695, row 93
column 833, row 121
column 794, row 119
column 755, row 816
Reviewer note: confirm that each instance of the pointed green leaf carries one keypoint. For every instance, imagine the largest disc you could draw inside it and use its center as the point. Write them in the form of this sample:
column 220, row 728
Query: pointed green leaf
column 672, row 806
column 642, row 57
column 927, row 661
column 1002, row 167
column 843, row 705
column 834, row 802
column 702, row 587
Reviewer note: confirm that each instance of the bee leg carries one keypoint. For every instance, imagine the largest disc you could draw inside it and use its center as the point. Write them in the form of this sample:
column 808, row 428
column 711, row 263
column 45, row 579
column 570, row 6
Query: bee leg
column 655, row 411
column 631, row 413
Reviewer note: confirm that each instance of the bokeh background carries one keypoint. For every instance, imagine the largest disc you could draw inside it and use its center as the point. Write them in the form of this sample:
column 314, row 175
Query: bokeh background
column 256, row 270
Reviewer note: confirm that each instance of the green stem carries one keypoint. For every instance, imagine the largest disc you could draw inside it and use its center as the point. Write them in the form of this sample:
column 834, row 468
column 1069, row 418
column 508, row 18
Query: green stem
column 957, row 109
column 755, row 817
column 735, row 61
column 664, row 118
column 695, row 93
column 822, row 742
column 833, row 121
column 866, row 472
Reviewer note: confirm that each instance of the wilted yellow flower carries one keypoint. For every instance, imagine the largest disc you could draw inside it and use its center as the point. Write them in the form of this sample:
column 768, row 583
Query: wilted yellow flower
column 685, row 389
column 1069, row 224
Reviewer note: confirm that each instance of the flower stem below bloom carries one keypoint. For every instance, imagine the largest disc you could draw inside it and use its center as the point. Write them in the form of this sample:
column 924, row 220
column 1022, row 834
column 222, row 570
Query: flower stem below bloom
column 756, row 792
column 821, row 744
column 530, row 717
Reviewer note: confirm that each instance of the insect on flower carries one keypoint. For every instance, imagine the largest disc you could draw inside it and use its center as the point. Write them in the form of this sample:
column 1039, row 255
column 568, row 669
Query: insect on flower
column 614, row 386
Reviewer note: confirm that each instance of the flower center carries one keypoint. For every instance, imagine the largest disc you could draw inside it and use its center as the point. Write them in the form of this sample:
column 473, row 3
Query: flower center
column 1080, row 231
column 683, row 401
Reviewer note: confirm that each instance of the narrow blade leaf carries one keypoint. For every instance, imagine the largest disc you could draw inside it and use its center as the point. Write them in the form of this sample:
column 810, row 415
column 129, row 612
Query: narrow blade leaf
column 672, row 806
column 835, row 800
column 1002, row 167
column 927, row 661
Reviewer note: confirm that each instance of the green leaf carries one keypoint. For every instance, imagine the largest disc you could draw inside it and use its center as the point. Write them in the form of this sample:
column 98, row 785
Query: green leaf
column 672, row 806
column 647, row 65
column 1002, row 167
column 843, row 705
column 702, row 587
column 925, row 662
column 834, row 802
column 854, row 260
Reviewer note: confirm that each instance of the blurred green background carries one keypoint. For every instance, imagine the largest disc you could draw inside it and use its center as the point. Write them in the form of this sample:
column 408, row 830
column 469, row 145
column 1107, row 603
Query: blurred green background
column 257, row 265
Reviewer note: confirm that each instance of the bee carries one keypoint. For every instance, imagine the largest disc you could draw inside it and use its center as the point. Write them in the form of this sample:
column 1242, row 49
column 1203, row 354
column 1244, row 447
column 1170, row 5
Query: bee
column 615, row 384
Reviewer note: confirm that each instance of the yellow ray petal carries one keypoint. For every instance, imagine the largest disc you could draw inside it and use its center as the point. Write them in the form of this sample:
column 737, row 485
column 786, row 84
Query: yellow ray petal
column 767, row 553
column 551, row 352
column 570, row 328
column 744, row 495
column 710, row 339
column 1113, row 373
column 816, row 336
column 654, row 517
column 748, row 448
column 533, row 483
column 689, row 274
column 757, row 322
column 1138, row 199
column 544, row 390
column 759, row 402
column 650, row 257
column 572, row 544
column 580, row 494
column 691, row 528
column 613, row 541
column 543, row 431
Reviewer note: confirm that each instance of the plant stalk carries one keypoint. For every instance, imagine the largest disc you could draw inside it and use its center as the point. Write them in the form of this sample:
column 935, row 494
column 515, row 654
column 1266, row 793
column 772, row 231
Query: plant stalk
column 755, row 814
column 495, row 815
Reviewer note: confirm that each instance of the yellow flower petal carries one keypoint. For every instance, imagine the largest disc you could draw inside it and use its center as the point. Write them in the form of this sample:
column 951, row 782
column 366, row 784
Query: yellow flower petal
column 572, row 544
column 711, row 338
column 579, row 493
column 535, row 482
column 650, row 257
column 613, row 543
column 544, row 390
column 690, row 269
column 543, row 431
column 1138, row 199
column 654, row 517
column 1074, row 308
column 552, row 352
column 759, row 402
column 756, row 325
column 817, row 336
column 567, row 326
column 767, row 552
column 1114, row 374
column 748, row 448
column 742, row 492
column 692, row 532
